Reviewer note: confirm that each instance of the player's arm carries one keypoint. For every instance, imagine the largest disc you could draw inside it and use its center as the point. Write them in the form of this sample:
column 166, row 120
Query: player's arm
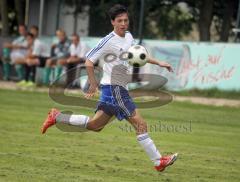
column 13, row 46
column 74, row 59
column 91, row 78
column 18, row 46
column 31, row 54
column 160, row 63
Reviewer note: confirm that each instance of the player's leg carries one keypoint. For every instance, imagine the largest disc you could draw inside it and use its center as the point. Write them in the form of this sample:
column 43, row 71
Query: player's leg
column 99, row 121
column 31, row 66
column 6, row 69
column 47, row 70
column 71, row 74
column 147, row 143
column 143, row 138
column 19, row 62
column 59, row 67
column 96, row 123
column 6, row 63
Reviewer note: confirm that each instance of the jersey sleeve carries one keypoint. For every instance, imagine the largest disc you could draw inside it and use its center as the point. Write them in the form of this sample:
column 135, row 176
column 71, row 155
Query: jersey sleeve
column 100, row 50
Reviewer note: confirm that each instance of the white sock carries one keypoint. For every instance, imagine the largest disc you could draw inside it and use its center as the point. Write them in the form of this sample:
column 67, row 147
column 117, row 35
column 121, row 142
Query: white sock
column 150, row 148
column 76, row 120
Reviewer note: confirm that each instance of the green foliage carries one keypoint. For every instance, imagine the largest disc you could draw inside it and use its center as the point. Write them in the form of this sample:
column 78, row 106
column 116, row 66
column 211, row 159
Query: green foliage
column 167, row 22
column 161, row 20
column 99, row 24
column 12, row 18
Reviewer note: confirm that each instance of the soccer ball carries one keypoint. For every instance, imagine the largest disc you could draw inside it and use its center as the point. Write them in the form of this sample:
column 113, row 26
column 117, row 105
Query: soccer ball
column 137, row 55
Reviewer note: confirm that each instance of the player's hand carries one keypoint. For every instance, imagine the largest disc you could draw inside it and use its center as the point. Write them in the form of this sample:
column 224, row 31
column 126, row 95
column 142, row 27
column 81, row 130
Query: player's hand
column 166, row 65
column 92, row 90
column 69, row 60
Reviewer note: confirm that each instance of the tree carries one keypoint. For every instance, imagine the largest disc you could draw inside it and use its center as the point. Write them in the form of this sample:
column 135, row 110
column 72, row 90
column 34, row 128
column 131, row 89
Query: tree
column 4, row 17
column 19, row 8
column 161, row 19
column 99, row 23
column 225, row 13
column 205, row 19
column 167, row 20
column 219, row 13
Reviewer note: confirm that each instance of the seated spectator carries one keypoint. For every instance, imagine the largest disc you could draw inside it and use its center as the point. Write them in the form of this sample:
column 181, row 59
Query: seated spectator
column 22, row 60
column 14, row 51
column 77, row 55
column 77, row 50
column 37, row 57
column 60, row 54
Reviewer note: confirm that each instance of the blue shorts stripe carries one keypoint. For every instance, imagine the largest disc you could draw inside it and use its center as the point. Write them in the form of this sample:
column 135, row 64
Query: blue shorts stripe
column 120, row 101
column 115, row 100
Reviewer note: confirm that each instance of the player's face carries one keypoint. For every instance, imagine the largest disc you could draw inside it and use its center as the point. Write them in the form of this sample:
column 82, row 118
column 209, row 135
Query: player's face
column 61, row 36
column 29, row 40
column 120, row 24
column 75, row 40
column 34, row 32
column 22, row 30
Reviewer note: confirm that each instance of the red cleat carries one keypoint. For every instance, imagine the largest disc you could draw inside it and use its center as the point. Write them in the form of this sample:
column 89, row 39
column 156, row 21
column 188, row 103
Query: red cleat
column 166, row 161
column 50, row 120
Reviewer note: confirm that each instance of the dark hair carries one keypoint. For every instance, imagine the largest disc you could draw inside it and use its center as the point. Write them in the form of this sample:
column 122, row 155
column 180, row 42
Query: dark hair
column 22, row 25
column 116, row 10
column 34, row 27
column 30, row 35
column 75, row 35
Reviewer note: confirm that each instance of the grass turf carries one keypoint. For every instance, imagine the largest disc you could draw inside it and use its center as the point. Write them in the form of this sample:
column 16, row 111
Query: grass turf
column 206, row 138
column 210, row 93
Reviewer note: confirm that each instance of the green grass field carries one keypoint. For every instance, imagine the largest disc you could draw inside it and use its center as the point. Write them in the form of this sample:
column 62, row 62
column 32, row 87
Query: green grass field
column 208, row 148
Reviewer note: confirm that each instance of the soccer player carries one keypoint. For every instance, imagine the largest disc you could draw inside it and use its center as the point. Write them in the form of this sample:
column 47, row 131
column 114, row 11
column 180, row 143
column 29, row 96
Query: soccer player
column 114, row 99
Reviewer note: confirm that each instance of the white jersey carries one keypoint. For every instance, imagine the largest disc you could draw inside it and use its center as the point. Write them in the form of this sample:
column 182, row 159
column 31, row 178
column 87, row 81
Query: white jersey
column 79, row 50
column 21, row 41
column 40, row 49
column 19, row 53
column 115, row 72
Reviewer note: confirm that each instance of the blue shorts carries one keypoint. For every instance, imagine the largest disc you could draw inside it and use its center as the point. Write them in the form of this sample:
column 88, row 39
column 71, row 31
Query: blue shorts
column 115, row 101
